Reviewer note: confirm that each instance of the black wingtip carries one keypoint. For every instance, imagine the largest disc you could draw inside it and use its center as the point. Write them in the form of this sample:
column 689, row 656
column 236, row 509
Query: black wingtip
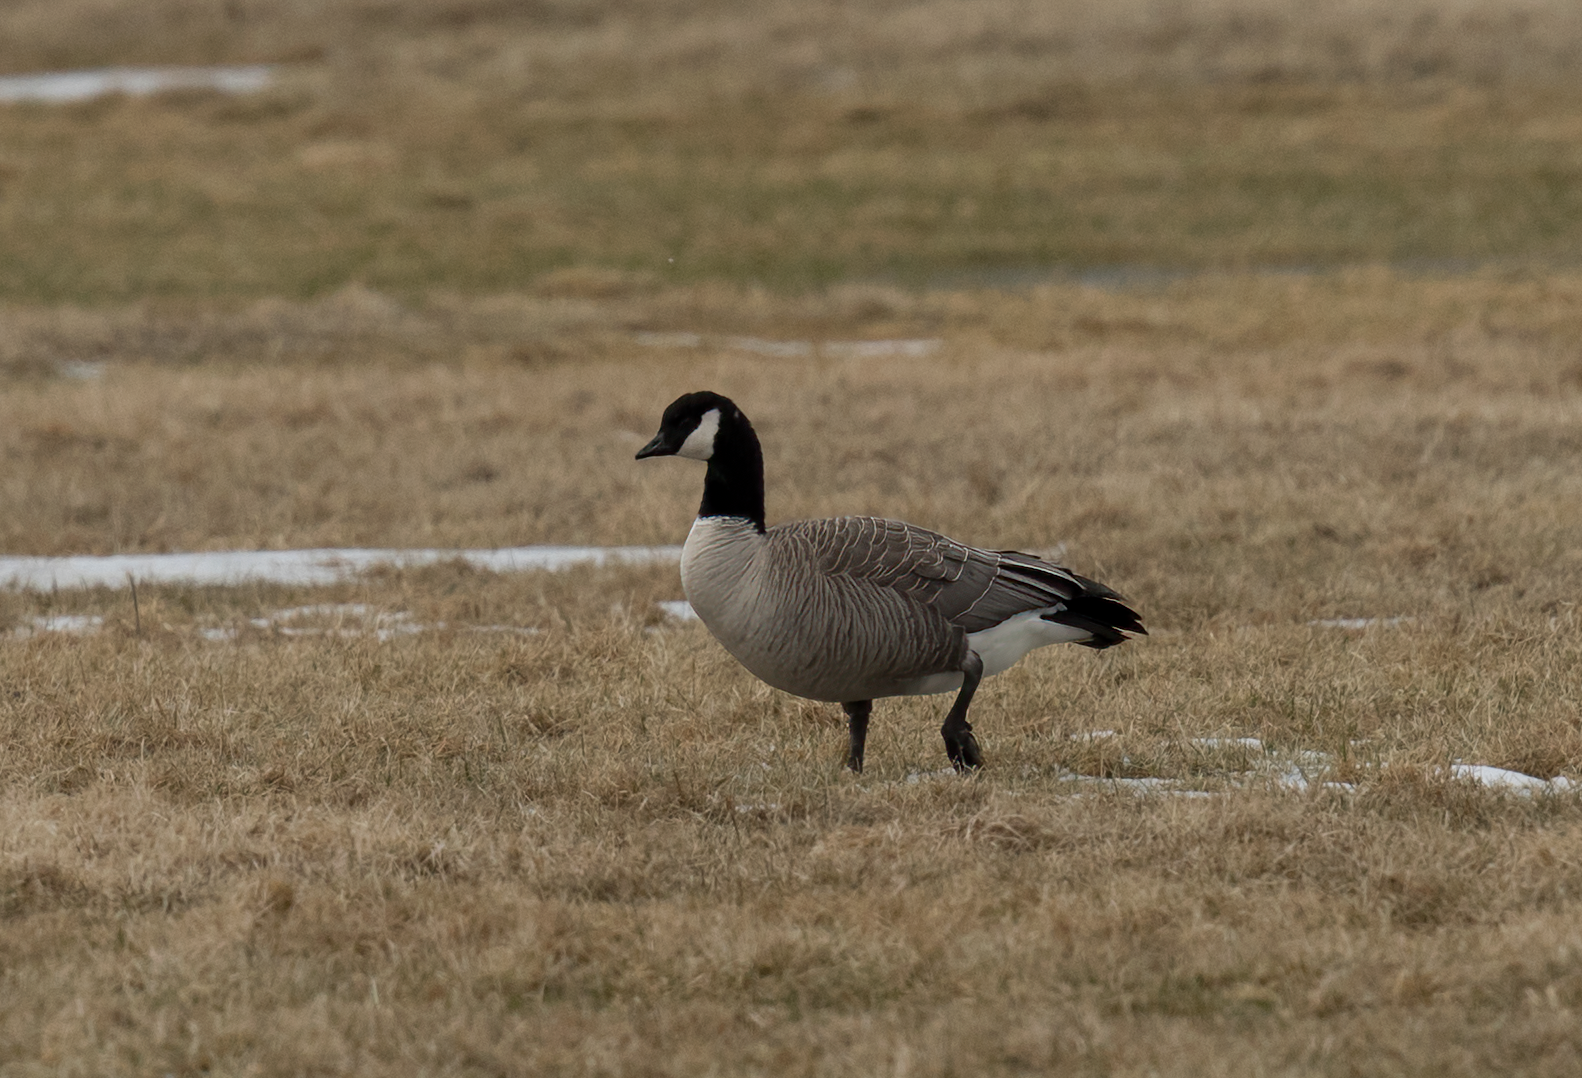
column 1108, row 620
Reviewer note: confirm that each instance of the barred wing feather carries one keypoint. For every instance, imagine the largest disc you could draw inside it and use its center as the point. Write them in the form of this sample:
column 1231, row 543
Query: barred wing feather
column 972, row 589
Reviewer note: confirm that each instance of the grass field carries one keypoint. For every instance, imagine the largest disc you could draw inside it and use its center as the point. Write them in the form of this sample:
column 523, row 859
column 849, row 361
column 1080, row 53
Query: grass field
column 603, row 848
column 442, row 821
column 415, row 146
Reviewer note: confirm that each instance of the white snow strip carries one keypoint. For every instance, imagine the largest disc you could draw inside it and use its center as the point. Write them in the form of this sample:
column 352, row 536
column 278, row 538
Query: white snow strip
column 1294, row 777
column 1358, row 623
column 328, row 610
column 76, row 624
column 82, row 370
column 1228, row 743
column 911, row 348
column 59, row 87
column 300, row 567
column 367, row 621
column 774, row 349
column 669, row 340
column 1284, row 769
column 1145, row 783
column 1497, row 778
column 1298, row 771
column 400, row 627
column 354, row 620
column 1138, row 786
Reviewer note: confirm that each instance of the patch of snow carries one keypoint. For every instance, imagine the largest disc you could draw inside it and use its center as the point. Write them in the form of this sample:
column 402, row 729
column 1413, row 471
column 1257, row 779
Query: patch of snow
column 1287, row 770
column 1142, row 783
column 1146, row 786
column 327, row 610
column 1298, row 771
column 298, row 567
column 350, row 620
column 1358, row 623
column 1092, row 735
column 75, row 624
column 394, row 626
column 386, row 626
column 1497, row 778
column 669, row 340
column 1295, row 779
column 912, row 348
column 1228, row 743
column 774, row 349
column 82, row 370
column 1292, row 778
column 60, row 87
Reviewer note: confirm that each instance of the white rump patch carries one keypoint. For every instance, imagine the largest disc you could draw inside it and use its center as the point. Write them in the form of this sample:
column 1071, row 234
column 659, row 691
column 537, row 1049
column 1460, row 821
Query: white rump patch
column 700, row 443
column 1001, row 646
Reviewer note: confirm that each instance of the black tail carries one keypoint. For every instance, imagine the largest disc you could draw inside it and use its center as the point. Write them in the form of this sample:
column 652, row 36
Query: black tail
column 1100, row 611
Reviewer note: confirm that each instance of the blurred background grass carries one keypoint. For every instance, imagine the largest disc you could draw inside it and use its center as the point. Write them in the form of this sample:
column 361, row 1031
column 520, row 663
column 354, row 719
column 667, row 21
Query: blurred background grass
column 478, row 145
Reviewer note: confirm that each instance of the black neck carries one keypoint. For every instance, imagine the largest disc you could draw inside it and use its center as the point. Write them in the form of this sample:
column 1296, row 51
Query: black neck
column 734, row 485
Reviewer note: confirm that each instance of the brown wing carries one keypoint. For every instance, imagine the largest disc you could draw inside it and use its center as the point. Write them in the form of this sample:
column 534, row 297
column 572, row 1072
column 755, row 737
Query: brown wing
column 972, row 589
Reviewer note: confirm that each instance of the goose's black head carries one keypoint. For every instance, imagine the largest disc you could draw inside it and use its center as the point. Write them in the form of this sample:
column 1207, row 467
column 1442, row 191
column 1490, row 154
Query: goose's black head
column 707, row 426
column 691, row 427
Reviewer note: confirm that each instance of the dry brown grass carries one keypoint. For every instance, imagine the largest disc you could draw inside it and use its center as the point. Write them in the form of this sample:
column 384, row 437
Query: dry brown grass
column 480, row 146
column 605, row 849
column 401, row 300
column 584, row 48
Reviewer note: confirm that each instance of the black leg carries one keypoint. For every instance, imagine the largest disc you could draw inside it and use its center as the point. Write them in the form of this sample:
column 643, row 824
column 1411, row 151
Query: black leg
column 960, row 745
column 857, row 722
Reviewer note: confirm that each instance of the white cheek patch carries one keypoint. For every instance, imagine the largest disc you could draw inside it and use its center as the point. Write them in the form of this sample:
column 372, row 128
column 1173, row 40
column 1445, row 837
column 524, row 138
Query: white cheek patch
column 700, row 443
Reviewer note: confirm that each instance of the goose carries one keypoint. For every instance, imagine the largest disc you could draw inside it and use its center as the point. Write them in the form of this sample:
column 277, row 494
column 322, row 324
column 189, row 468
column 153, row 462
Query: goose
column 852, row 609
